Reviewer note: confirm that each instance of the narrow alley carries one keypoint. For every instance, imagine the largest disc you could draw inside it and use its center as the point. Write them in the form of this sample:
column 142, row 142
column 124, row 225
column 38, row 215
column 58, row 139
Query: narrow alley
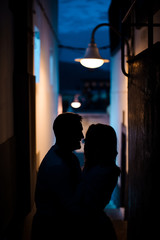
column 45, row 46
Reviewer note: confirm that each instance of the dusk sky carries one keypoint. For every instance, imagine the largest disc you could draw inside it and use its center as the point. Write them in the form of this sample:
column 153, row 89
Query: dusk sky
column 77, row 19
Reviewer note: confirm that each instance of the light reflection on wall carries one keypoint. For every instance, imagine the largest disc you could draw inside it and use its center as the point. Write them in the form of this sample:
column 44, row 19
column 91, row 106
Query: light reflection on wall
column 119, row 103
column 46, row 71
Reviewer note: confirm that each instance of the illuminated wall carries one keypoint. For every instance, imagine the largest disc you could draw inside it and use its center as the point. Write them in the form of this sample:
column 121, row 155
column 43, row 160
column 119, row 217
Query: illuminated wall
column 118, row 110
column 46, row 72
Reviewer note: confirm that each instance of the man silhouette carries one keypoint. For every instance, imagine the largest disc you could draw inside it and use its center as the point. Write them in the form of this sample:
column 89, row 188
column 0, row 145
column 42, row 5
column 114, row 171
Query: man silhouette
column 58, row 177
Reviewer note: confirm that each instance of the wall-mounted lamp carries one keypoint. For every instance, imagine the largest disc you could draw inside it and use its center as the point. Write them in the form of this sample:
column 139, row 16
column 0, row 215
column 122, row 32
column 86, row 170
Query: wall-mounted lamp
column 76, row 103
column 92, row 58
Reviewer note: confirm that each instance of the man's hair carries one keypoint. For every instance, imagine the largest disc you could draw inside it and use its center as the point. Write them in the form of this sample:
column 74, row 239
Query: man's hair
column 65, row 123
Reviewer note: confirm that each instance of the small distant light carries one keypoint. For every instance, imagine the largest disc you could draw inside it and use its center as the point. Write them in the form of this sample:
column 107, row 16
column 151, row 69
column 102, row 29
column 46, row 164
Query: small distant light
column 75, row 104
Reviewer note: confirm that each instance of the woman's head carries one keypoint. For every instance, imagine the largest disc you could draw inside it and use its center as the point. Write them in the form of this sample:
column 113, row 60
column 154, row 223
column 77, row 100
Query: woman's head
column 100, row 145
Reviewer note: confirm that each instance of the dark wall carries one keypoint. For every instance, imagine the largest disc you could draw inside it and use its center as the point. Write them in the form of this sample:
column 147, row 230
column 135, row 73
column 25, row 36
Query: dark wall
column 17, row 147
column 7, row 184
column 8, row 179
column 144, row 143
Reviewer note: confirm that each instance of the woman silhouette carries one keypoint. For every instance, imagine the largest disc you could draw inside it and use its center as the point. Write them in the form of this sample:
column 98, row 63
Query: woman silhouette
column 100, row 175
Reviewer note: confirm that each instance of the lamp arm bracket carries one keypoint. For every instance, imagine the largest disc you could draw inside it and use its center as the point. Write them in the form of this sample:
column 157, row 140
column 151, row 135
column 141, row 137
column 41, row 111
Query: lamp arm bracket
column 102, row 25
column 113, row 29
column 122, row 43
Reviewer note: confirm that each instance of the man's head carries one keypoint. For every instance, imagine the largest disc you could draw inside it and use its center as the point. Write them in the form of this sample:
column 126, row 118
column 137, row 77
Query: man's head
column 68, row 128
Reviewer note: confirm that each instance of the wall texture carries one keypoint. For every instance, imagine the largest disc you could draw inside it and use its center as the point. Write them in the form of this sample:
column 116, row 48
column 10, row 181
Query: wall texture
column 144, row 132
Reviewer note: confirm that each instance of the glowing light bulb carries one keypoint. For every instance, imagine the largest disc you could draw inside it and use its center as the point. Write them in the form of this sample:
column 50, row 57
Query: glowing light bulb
column 91, row 62
column 75, row 104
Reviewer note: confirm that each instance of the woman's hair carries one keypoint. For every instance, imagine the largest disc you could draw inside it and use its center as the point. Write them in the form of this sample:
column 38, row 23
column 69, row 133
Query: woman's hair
column 100, row 145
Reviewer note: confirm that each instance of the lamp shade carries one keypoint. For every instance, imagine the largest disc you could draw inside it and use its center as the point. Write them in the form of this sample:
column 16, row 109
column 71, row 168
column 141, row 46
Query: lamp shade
column 92, row 58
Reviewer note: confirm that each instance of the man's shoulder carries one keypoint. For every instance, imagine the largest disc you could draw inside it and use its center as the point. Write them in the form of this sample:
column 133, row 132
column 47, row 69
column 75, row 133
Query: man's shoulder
column 52, row 159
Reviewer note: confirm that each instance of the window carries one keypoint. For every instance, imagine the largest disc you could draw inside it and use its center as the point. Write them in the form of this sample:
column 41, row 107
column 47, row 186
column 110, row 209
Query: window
column 37, row 53
column 51, row 67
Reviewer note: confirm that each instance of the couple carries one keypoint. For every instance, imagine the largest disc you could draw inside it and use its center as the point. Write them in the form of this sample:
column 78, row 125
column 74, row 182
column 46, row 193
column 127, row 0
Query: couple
column 70, row 202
